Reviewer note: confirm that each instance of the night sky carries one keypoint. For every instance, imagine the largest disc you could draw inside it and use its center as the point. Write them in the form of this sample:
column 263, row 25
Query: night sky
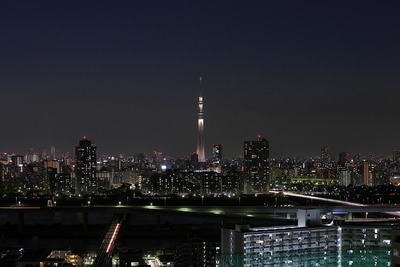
column 125, row 74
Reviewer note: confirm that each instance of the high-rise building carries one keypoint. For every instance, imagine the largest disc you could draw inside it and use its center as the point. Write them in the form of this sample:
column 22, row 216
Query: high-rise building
column 396, row 155
column 344, row 176
column 53, row 152
column 62, row 183
column 194, row 160
column 324, row 154
column 217, row 153
column 18, row 163
column 342, row 159
column 356, row 158
column 367, row 174
column 256, row 166
column 85, row 166
column 2, row 172
column 200, row 134
column 31, row 157
column 210, row 183
column 217, row 157
column 52, row 164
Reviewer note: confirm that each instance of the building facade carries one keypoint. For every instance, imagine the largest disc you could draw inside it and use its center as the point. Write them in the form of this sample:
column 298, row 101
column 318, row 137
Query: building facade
column 85, row 167
column 216, row 158
column 307, row 244
column 256, row 166
column 366, row 243
column 196, row 253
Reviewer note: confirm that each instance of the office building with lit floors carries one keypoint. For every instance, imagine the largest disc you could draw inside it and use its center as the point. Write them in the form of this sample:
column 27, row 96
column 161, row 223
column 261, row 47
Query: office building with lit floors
column 85, row 167
column 256, row 166
column 307, row 244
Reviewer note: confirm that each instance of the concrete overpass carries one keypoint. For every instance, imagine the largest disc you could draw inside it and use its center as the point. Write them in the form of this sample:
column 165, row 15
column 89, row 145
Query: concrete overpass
column 217, row 211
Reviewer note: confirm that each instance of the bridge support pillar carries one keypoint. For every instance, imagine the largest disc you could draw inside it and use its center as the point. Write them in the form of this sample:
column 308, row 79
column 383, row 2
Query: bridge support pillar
column 349, row 216
column 21, row 220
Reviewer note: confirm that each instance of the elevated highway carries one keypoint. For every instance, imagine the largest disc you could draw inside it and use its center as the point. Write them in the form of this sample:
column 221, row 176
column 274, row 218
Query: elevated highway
column 207, row 210
column 183, row 214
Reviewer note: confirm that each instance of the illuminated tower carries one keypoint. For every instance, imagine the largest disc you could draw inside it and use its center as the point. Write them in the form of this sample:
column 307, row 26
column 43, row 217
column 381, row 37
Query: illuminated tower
column 200, row 122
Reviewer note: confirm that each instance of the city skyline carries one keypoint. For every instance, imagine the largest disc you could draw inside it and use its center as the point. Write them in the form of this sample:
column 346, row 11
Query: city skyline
column 331, row 154
column 302, row 75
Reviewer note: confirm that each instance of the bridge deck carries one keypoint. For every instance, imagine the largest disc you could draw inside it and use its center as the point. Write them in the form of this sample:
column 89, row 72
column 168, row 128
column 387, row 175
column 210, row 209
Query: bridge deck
column 105, row 252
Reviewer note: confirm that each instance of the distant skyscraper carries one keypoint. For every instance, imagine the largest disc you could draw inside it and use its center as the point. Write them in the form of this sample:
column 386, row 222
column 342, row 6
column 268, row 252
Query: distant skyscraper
column 1, row 172
column 217, row 154
column 217, row 157
column 85, row 166
column 342, row 159
column 18, row 163
column 256, row 166
column 194, row 161
column 396, row 155
column 53, row 152
column 32, row 157
column 324, row 154
column 356, row 158
column 200, row 135
column 367, row 175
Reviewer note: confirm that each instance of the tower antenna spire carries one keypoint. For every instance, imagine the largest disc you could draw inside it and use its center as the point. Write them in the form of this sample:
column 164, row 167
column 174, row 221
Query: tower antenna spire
column 200, row 85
